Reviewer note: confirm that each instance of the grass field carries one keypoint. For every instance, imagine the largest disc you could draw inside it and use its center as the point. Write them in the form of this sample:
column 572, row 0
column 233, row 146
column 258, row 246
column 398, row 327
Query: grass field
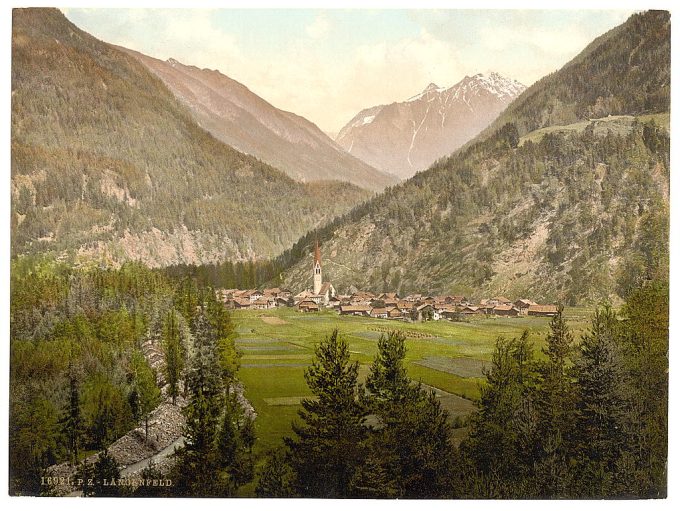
column 278, row 344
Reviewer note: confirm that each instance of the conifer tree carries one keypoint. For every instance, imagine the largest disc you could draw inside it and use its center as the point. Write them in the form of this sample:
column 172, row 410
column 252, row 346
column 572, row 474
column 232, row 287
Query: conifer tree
column 275, row 477
column 146, row 389
column 603, row 405
column 410, row 451
column 327, row 448
column 72, row 421
column 174, row 358
column 498, row 461
column 556, row 405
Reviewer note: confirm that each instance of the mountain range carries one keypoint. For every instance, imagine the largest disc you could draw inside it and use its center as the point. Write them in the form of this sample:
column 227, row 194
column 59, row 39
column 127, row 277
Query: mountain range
column 564, row 197
column 404, row 138
column 108, row 164
column 233, row 114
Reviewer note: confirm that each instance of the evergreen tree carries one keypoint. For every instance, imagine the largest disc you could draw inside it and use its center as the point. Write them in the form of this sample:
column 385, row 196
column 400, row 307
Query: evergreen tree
column 72, row 421
column 603, row 406
column 327, row 448
column 556, row 406
column 174, row 357
column 644, row 336
column 146, row 389
column 275, row 477
column 106, row 474
column 499, row 465
column 410, row 451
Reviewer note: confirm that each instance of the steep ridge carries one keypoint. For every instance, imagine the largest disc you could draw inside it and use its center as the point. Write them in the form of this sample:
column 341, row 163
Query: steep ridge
column 550, row 202
column 108, row 165
column 409, row 136
column 245, row 121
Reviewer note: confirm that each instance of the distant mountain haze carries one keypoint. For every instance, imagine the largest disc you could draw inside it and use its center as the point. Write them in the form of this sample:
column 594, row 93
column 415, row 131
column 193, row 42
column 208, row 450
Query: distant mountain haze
column 404, row 138
column 240, row 118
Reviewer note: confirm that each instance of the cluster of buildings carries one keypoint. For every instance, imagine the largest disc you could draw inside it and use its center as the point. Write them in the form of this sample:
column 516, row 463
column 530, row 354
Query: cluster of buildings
column 414, row 307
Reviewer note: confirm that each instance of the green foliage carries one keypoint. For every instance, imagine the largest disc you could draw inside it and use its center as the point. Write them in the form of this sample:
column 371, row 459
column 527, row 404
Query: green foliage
column 105, row 473
column 102, row 151
column 175, row 354
column 145, row 387
column 327, row 449
column 586, row 423
column 275, row 478
column 214, row 443
column 410, row 454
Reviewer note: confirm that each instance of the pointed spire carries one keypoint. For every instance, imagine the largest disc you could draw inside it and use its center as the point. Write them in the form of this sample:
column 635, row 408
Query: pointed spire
column 317, row 253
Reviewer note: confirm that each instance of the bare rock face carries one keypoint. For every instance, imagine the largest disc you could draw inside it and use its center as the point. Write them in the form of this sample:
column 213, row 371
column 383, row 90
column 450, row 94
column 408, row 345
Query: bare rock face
column 235, row 115
column 404, row 138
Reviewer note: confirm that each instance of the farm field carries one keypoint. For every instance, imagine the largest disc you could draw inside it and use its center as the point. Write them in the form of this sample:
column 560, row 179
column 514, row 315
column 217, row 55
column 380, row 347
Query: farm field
column 278, row 344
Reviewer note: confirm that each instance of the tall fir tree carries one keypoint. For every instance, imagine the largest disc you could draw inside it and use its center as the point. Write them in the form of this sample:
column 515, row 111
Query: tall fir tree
column 410, row 452
column 556, row 406
column 174, row 354
column 603, row 406
column 327, row 448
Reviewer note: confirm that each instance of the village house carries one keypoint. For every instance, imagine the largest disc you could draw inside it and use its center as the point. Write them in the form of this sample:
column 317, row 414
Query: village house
column 308, row 306
column 505, row 310
column 379, row 312
column 395, row 313
column 425, row 312
column 523, row 305
column 264, row 303
column 542, row 310
column 241, row 303
column 449, row 313
column 355, row 310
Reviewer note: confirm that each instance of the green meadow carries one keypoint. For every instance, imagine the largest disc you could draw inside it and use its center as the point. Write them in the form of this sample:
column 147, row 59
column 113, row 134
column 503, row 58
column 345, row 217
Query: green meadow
column 278, row 344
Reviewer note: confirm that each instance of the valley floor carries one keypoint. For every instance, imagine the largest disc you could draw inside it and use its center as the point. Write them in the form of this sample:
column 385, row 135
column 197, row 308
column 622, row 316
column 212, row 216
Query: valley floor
column 278, row 345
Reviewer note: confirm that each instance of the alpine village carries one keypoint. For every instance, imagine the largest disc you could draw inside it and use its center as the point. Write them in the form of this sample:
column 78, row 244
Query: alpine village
column 463, row 293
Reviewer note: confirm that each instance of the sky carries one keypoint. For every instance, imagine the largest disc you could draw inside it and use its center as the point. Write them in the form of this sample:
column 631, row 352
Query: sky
column 327, row 65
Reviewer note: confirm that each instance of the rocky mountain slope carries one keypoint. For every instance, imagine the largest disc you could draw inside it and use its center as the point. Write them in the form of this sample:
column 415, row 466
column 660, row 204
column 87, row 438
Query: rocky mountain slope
column 404, row 138
column 564, row 198
column 108, row 164
column 238, row 117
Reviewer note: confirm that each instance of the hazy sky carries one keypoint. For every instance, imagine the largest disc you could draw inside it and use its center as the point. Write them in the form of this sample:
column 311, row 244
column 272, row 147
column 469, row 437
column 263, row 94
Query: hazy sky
column 326, row 65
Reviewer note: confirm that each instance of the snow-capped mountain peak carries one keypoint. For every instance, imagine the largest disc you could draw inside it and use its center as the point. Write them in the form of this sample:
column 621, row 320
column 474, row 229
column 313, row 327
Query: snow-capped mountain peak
column 493, row 82
column 405, row 137
column 433, row 88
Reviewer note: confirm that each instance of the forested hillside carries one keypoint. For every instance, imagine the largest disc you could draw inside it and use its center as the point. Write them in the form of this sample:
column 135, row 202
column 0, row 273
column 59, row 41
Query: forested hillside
column 107, row 164
column 552, row 202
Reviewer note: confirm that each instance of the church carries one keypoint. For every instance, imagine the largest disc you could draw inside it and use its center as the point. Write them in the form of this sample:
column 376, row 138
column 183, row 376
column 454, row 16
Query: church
column 322, row 291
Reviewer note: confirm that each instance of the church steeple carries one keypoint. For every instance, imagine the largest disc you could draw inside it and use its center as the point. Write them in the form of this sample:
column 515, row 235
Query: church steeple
column 317, row 269
column 317, row 253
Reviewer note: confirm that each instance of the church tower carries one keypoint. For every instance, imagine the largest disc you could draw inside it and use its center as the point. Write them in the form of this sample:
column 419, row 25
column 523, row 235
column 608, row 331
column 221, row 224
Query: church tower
column 317, row 269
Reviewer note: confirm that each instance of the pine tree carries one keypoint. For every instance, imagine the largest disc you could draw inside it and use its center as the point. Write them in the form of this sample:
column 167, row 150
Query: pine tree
column 556, row 406
column 603, row 406
column 146, row 389
column 496, row 456
column 327, row 450
column 410, row 451
column 72, row 421
column 174, row 359
column 105, row 473
column 275, row 477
